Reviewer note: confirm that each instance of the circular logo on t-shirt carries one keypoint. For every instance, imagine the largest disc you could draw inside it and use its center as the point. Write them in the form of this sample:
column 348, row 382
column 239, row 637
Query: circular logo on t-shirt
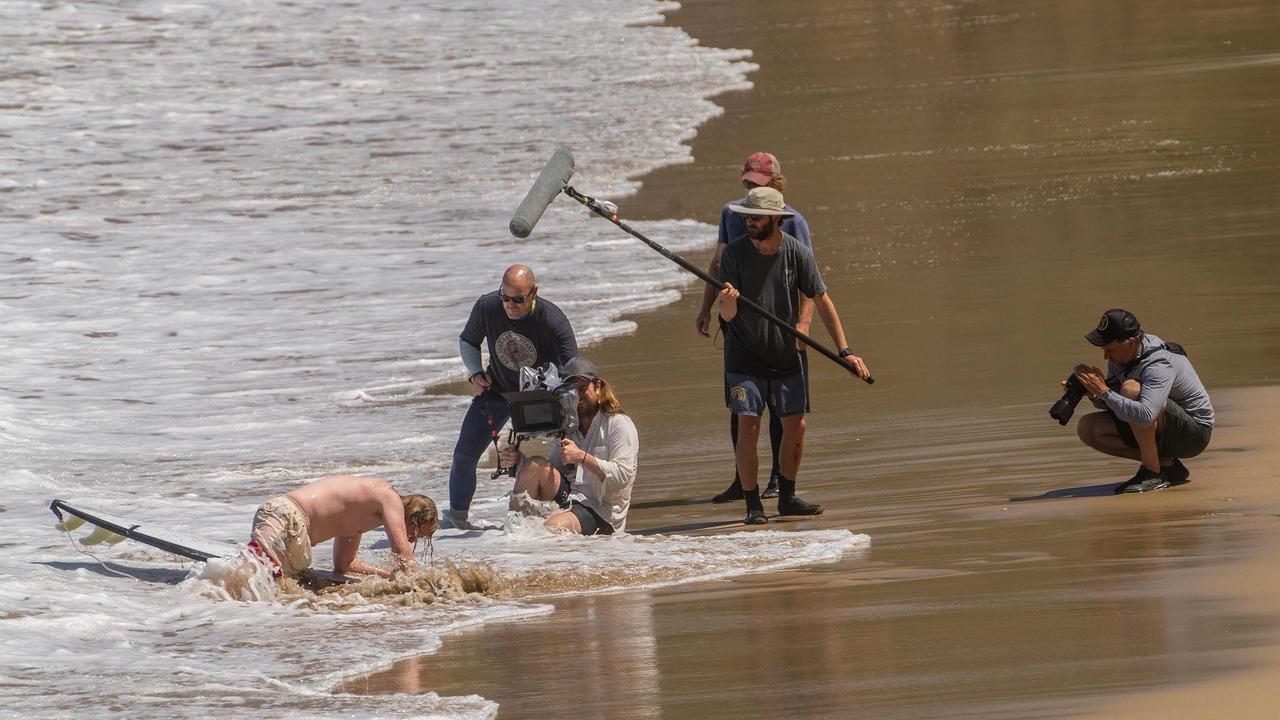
column 515, row 350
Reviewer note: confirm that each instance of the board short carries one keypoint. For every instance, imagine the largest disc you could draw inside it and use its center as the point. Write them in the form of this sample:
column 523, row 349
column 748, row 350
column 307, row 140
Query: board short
column 751, row 394
column 590, row 520
column 1180, row 436
column 282, row 530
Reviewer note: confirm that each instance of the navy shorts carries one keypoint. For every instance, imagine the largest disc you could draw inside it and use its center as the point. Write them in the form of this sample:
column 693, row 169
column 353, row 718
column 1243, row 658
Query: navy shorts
column 750, row 394
column 592, row 524
column 1180, row 436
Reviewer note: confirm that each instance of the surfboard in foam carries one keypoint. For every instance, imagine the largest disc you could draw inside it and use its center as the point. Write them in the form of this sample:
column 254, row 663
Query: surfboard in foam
column 112, row 529
column 190, row 546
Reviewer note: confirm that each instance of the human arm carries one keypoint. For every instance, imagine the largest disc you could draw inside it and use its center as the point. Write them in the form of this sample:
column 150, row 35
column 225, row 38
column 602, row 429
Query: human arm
column 703, row 322
column 616, row 466
column 800, row 231
column 804, row 319
column 831, row 319
column 729, row 302
column 1155, row 378
column 469, row 349
column 728, row 274
column 510, row 455
column 345, row 561
column 476, row 375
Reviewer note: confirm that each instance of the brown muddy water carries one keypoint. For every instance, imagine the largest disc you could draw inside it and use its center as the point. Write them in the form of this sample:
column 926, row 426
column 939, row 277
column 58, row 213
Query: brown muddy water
column 982, row 179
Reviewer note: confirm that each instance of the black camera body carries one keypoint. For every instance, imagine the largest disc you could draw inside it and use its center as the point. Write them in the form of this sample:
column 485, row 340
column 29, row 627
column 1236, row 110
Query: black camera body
column 542, row 412
column 1066, row 405
column 544, row 406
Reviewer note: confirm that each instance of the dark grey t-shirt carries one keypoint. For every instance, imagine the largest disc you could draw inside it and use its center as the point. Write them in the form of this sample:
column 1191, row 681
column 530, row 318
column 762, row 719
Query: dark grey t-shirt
column 542, row 336
column 752, row 344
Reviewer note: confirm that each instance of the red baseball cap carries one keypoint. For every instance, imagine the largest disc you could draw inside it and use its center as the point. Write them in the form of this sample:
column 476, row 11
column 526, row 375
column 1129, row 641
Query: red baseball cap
column 761, row 167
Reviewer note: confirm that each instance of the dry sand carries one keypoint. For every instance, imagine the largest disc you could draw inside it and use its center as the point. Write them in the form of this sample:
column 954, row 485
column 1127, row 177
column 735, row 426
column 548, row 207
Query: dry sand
column 982, row 179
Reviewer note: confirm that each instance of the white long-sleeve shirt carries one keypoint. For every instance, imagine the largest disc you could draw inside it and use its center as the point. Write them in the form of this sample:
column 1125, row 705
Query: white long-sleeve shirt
column 614, row 443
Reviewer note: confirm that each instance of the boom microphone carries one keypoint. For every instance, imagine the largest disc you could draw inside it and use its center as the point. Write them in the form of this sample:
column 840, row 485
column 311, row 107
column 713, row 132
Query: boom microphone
column 545, row 189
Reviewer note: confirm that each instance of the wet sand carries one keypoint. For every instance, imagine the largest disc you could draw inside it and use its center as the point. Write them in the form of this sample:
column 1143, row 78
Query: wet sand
column 982, row 180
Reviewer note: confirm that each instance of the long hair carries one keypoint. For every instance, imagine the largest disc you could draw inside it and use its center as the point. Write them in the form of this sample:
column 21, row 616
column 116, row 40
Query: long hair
column 778, row 182
column 609, row 404
column 421, row 510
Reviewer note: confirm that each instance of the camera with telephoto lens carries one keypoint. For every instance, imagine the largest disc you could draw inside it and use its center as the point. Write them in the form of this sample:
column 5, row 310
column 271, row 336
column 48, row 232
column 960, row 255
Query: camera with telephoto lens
column 1066, row 405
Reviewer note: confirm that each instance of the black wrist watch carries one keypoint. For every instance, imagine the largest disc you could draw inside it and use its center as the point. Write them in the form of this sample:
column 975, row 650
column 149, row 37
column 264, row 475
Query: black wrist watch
column 846, row 352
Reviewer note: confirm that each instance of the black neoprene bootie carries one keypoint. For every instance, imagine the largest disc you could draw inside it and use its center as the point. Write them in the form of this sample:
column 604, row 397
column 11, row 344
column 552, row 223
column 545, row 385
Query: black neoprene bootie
column 1144, row 481
column 733, row 492
column 1176, row 473
column 755, row 509
column 771, row 490
column 791, row 504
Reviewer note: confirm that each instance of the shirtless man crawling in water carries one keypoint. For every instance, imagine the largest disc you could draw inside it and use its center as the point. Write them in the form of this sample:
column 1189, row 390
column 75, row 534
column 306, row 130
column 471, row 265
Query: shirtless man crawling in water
column 341, row 508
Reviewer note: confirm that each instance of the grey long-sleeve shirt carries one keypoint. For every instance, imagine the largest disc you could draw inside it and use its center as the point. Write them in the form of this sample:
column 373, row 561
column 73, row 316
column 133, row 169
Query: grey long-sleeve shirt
column 1164, row 376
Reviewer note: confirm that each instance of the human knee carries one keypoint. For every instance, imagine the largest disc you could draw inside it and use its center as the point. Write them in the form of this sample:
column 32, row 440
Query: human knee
column 565, row 520
column 533, row 471
column 1087, row 428
column 1131, row 389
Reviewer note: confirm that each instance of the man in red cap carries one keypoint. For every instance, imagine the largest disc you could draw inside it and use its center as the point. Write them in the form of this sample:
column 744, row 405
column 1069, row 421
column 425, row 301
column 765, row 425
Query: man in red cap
column 761, row 170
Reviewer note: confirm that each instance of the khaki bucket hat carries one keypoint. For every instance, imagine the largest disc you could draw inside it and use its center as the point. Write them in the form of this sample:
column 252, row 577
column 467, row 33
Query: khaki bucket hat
column 763, row 201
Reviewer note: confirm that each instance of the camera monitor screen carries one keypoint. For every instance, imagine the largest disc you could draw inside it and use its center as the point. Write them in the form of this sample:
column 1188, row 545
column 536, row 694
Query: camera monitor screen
column 534, row 411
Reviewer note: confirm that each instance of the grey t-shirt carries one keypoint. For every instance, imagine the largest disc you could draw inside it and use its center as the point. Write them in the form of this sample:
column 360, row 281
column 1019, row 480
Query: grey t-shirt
column 752, row 344
column 1164, row 375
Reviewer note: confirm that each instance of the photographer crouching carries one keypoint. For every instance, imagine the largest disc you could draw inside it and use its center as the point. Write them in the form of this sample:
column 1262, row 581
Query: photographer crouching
column 1155, row 409
column 602, row 452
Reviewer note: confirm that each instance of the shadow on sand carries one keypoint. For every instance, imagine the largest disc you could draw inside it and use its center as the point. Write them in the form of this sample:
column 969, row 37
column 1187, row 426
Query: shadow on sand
column 1105, row 490
column 688, row 527
column 678, row 502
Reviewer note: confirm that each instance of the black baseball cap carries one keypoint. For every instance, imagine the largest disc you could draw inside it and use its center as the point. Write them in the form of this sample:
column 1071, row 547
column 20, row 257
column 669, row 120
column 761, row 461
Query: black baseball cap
column 1116, row 324
column 578, row 367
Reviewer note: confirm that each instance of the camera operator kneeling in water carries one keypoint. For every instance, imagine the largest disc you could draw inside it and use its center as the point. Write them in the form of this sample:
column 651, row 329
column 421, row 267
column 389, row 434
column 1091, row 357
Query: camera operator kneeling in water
column 1156, row 410
column 590, row 471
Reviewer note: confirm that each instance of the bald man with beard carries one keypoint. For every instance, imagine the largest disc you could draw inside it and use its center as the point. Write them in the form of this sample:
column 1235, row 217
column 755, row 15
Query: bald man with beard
column 520, row 329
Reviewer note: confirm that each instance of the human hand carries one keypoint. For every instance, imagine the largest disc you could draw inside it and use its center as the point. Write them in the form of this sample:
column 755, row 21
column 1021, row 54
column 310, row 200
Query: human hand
column 703, row 323
column 857, row 365
column 803, row 330
column 480, row 383
column 570, row 453
column 403, row 566
column 1092, row 379
column 509, row 456
column 729, row 302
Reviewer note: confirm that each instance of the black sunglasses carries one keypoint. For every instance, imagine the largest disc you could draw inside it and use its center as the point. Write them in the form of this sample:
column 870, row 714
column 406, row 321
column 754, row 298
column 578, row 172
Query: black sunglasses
column 516, row 299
